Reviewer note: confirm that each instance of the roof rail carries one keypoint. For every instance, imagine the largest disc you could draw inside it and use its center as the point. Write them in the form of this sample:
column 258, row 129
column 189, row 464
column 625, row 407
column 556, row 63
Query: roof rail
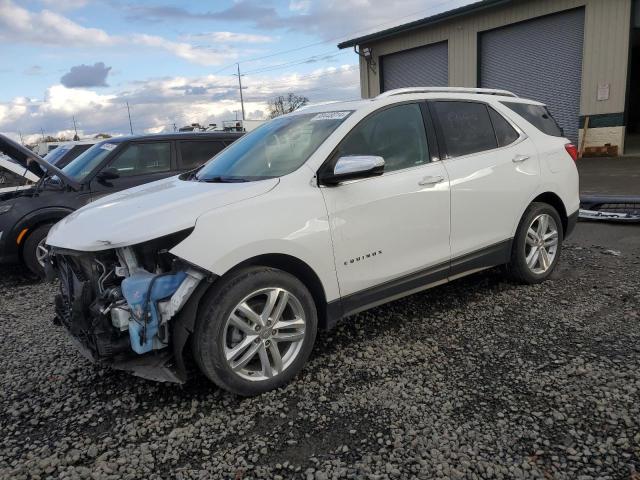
column 482, row 91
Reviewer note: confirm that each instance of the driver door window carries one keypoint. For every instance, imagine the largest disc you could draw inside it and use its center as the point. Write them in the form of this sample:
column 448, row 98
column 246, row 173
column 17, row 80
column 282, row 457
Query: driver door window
column 396, row 134
column 143, row 158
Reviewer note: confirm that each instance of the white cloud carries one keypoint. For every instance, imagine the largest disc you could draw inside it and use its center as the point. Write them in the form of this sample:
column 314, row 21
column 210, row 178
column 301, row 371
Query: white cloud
column 46, row 27
column 299, row 5
column 202, row 56
column 18, row 24
column 157, row 104
column 65, row 4
column 227, row 37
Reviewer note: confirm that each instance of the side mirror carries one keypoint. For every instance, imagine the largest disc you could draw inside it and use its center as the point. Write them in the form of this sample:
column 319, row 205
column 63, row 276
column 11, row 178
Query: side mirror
column 353, row 168
column 108, row 174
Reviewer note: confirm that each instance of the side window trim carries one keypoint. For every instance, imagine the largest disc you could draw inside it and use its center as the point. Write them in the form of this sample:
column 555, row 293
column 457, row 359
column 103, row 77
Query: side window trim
column 435, row 150
column 332, row 156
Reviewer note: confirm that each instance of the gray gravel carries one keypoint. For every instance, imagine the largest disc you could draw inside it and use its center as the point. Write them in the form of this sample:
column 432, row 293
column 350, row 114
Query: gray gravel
column 477, row 379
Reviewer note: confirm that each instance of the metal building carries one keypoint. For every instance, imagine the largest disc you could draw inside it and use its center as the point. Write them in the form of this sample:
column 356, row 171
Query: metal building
column 580, row 57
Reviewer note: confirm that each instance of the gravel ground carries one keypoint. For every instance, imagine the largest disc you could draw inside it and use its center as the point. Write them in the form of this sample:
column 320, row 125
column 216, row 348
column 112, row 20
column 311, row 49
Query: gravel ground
column 480, row 378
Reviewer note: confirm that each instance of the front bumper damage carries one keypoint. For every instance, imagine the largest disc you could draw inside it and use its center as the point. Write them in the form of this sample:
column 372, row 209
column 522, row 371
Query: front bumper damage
column 118, row 313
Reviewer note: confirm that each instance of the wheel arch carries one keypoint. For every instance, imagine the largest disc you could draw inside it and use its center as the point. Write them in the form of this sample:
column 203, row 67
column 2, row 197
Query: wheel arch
column 34, row 220
column 556, row 202
column 299, row 269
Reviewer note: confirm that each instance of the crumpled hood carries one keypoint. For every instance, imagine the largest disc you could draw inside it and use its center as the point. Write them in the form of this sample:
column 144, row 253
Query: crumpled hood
column 146, row 212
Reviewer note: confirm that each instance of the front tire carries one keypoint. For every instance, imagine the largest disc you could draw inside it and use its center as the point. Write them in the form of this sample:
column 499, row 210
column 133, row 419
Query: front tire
column 34, row 250
column 537, row 244
column 255, row 330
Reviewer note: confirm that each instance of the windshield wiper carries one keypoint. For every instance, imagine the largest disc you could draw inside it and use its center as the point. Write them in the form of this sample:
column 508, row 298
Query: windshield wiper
column 222, row 179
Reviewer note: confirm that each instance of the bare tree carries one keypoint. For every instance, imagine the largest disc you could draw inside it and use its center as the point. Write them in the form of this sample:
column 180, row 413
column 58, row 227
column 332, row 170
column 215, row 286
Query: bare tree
column 281, row 104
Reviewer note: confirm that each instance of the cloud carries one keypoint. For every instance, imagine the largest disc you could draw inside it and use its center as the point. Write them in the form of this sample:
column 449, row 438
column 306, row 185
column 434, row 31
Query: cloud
column 46, row 27
column 227, row 37
column 329, row 19
column 157, row 104
column 86, row 76
column 65, row 4
column 19, row 25
column 299, row 5
column 186, row 51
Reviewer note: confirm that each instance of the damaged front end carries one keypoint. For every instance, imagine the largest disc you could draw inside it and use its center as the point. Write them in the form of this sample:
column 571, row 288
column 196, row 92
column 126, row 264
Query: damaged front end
column 132, row 308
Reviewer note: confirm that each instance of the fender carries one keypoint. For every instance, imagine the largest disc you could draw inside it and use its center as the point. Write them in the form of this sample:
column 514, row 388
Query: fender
column 542, row 189
column 36, row 217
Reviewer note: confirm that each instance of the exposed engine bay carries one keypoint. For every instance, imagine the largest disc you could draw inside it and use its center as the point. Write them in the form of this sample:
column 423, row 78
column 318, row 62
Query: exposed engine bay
column 126, row 307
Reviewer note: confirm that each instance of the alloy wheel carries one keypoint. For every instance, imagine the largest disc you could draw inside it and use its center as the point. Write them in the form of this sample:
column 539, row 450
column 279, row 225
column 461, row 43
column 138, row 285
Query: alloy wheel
column 541, row 243
column 41, row 252
column 264, row 334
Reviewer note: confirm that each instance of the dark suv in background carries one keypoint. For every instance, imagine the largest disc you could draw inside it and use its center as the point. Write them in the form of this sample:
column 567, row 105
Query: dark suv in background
column 26, row 215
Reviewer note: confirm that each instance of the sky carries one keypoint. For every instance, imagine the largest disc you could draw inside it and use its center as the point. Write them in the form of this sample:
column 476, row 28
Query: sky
column 174, row 61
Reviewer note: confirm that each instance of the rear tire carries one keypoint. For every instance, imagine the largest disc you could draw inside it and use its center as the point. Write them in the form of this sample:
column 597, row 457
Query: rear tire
column 255, row 330
column 33, row 250
column 537, row 244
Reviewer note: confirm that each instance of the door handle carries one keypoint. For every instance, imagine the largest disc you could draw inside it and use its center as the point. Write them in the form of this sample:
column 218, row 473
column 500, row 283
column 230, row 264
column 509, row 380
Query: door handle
column 429, row 180
column 520, row 158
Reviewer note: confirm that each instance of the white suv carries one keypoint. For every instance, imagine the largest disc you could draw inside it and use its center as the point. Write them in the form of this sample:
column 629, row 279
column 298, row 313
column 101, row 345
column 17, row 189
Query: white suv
column 312, row 217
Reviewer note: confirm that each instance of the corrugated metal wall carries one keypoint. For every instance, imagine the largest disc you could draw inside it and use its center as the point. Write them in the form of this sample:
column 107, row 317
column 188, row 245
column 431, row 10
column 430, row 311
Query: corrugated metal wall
column 539, row 59
column 424, row 66
column 605, row 54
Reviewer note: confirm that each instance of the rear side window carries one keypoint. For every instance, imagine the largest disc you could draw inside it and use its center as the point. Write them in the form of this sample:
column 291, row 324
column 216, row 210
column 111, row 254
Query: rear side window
column 465, row 126
column 505, row 133
column 143, row 158
column 193, row 154
column 538, row 116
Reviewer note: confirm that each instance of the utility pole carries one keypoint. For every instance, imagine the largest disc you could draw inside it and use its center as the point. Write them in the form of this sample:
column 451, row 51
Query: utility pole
column 42, row 131
column 76, row 137
column 240, row 85
column 21, row 139
column 175, row 129
column 129, row 112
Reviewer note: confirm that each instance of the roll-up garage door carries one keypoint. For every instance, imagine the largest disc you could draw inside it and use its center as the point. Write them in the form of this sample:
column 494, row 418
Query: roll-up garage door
column 539, row 59
column 419, row 67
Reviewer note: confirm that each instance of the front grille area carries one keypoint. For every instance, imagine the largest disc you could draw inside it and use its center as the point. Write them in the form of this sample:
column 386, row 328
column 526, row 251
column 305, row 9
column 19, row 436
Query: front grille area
column 81, row 310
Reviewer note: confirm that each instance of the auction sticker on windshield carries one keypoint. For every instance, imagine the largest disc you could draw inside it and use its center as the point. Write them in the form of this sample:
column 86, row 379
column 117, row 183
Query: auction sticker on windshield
column 108, row 146
column 330, row 116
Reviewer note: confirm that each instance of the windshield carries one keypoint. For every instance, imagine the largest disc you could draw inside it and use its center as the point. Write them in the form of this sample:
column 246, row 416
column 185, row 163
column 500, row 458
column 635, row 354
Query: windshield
column 55, row 155
column 274, row 149
column 85, row 163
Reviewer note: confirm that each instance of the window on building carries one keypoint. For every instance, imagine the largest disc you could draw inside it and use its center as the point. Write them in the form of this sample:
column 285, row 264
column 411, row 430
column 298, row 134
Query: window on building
column 396, row 134
column 466, row 127
column 143, row 158
column 195, row 153
column 538, row 116
column 505, row 133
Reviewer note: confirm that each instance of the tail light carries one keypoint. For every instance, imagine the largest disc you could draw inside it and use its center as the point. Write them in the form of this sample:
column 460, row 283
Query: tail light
column 572, row 150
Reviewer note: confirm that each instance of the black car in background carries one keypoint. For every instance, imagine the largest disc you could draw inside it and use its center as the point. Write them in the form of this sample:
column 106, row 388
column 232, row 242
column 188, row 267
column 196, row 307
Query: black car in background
column 65, row 153
column 27, row 214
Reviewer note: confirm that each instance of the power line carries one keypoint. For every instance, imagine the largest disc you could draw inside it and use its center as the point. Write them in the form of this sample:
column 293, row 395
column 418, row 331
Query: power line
column 300, row 61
